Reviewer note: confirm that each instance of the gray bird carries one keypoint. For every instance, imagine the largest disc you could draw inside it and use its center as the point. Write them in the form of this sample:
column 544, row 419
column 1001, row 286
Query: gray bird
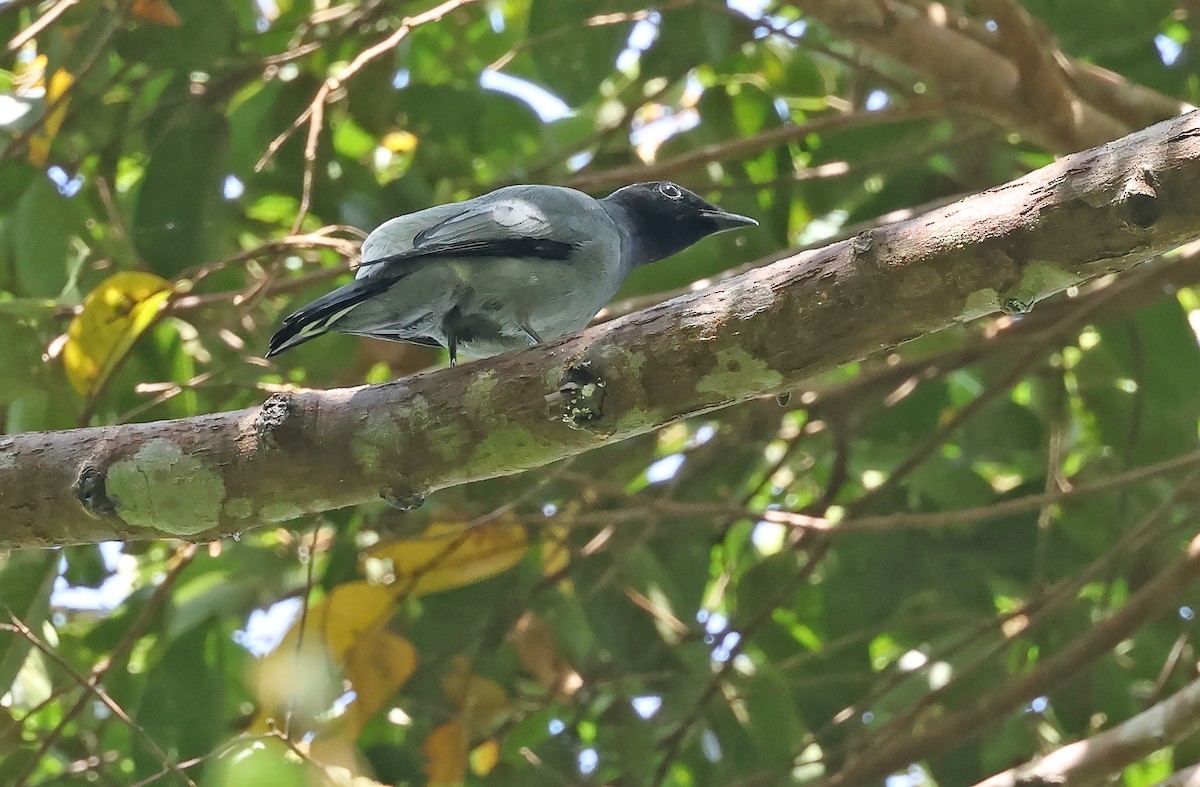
column 511, row 268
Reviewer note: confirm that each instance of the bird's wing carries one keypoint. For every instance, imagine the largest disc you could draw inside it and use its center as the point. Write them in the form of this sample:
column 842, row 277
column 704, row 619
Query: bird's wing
column 514, row 226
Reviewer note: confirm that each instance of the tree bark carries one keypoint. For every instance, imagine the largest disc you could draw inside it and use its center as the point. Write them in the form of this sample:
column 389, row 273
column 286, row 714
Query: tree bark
column 1014, row 76
column 765, row 331
column 1092, row 760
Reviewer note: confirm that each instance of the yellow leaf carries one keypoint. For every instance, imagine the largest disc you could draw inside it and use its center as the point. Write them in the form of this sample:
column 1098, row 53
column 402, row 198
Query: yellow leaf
column 446, row 755
column 449, row 556
column 537, row 651
column 296, row 684
column 479, row 700
column 349, row 612
column 39, row 142
column 378, row 664
column 556, row 553
column 305, row 682
column 114, row 314
column 400, row 142
column 484, row 757
column 158, row 12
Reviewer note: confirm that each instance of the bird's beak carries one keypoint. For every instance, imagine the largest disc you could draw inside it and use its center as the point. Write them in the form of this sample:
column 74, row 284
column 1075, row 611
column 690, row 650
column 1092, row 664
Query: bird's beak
column 728, row 221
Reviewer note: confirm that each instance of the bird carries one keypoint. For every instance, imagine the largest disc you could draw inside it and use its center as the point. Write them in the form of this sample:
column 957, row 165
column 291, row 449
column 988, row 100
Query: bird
column 511, row 268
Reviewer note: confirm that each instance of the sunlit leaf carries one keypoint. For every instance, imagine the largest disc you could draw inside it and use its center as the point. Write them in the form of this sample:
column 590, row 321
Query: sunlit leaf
column 26, row 579
column 400, row 142
column 448, row 556
column 348, row 612
column 114, row 315
column 484, row 757
column 40, row 141
column 303, row 680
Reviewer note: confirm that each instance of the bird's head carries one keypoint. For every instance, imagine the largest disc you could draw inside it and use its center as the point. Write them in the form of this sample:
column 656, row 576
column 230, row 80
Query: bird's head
column 665, row 218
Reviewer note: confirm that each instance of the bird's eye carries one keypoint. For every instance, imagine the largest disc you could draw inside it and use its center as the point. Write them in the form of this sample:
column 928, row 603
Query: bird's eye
column 670, row 190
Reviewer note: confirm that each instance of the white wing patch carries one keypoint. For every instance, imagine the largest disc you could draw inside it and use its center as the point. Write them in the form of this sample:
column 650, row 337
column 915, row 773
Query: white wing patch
column 510, row 218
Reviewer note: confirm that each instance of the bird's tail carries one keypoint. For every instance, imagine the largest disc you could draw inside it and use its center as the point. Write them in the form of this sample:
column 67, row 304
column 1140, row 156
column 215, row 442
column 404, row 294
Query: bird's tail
column 319, row 316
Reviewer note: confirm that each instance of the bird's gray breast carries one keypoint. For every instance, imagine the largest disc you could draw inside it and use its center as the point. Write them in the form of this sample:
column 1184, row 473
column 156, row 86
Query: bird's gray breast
column 497, row 304
column 492, row 304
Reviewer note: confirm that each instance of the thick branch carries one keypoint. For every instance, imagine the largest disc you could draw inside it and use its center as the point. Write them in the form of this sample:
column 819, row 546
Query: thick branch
column 1089, row 761
column 1188, row 777
column 1077, row 108
column 764, row 331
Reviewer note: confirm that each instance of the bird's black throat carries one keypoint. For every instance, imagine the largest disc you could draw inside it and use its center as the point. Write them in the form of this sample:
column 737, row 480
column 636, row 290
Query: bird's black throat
column 660, row 226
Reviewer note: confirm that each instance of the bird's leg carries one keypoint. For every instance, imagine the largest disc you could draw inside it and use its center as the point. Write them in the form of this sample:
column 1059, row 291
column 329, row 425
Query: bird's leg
column 530, row 333
column 452, row 346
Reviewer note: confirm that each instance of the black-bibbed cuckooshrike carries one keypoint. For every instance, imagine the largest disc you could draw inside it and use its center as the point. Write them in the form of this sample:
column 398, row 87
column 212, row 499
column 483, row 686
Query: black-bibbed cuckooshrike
column 505, row 270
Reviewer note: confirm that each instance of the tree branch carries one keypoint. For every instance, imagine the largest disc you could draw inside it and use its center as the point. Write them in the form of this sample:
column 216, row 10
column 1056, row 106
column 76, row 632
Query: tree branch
column 1188, row 777
column 1151, row 600
column 1087, row 107
column 762, row 332
column 1089, row 761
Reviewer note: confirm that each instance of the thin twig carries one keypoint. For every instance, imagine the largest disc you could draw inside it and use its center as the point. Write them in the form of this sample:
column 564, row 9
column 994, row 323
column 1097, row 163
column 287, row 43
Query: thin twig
column 93, row 687
column 122, row 648
column 40, row 24
column 314, row 114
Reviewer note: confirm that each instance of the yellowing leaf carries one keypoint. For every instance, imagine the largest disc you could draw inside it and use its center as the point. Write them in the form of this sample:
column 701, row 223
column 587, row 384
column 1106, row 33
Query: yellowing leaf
column 300, row 685
column 479, row 700
column 353, row 614
column 556, row 553
column 535, row 646
column 484, row 757
column 39, row 143
column 348, row 612
column 399, row 142
column 378, row 664
column 114, row 314
column 449, row 556
column 158, row 12
column 446, row 755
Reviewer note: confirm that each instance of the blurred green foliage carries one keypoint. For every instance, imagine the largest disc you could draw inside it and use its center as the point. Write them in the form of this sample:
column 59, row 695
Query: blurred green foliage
column 711, row 648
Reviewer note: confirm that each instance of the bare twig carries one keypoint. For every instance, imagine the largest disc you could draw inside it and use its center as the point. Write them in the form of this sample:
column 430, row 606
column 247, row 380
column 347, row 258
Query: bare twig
column 92, row 687
column 315, row 113
column 748, row 146
column 40, row 24
column 1150, row 601
column 119, row 652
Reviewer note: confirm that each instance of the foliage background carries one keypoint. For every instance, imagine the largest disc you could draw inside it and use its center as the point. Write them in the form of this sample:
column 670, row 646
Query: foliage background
column 652, row 612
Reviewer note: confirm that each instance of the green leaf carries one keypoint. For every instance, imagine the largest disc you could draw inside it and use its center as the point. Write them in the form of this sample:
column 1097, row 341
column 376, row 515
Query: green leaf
column 26, row 579
column 573, row 58
column 182, row 709
column 40, row 239
column 771, row 711
column 207, row 33
column 175, row 218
